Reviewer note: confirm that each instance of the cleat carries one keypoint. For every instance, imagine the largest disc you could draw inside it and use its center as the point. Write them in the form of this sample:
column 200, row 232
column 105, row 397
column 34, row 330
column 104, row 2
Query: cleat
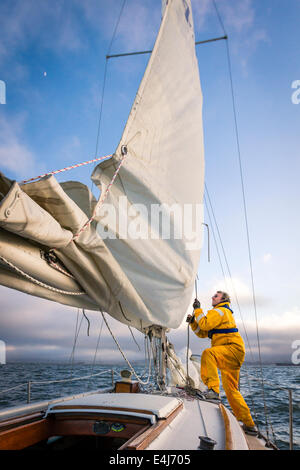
column 212, row 395
column 251, row 430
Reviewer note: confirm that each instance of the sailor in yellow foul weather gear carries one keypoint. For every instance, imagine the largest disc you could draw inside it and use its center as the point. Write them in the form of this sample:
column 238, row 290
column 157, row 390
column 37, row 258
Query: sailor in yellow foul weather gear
column 226, row 353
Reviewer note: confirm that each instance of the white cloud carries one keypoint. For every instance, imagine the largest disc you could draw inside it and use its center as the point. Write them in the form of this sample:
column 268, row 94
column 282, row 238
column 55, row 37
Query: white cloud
column 71, row 149
column 200, row 12
column 267, row 257
column 15, row 155
column 240, row 22
column 136, row 26
column 51, row 24
column 276, row 334
column 238, row 15
column 288, row 320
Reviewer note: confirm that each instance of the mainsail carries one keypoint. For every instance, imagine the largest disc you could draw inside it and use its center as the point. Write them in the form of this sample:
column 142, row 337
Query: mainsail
column 137, row 274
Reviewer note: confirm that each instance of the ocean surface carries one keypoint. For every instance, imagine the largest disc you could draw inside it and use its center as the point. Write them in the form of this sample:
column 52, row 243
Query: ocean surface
column 268, row 403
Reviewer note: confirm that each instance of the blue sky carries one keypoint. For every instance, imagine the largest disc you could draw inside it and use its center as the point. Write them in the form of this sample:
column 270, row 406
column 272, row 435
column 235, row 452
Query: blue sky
column 52, row 58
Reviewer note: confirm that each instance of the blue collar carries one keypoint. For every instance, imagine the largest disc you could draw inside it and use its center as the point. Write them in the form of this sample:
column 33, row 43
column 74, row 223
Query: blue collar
column 226, row 305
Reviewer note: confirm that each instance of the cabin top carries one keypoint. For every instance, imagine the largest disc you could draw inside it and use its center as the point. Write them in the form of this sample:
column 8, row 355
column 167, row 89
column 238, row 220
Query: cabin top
column 129, row 403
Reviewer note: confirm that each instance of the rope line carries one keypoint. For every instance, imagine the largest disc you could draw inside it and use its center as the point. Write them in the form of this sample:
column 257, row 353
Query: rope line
column 40, row 382
column 75, row 341
column 43, row 382
column 216, row 244
column 232, row 283
column 58, row 268
column 123, row 355
column 97, row 345
column 71, row 167
column 228, row 268
column 36, row 281
column 102, row 199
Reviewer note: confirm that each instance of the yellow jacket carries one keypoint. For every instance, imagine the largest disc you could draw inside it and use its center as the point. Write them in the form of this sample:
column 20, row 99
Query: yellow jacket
column 220, row 317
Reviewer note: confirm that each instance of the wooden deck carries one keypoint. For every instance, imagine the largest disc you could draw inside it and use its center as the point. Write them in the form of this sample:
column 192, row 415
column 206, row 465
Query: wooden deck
column 255, row 443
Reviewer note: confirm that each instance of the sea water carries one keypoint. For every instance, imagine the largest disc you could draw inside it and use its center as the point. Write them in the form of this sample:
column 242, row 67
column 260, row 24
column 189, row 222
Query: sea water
column 265, row 390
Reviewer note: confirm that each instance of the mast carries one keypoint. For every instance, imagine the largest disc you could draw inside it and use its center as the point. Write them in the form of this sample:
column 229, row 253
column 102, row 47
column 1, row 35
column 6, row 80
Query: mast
column 158, row 333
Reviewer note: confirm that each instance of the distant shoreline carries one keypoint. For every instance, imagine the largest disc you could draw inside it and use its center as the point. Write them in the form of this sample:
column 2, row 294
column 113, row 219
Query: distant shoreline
column 118, row 364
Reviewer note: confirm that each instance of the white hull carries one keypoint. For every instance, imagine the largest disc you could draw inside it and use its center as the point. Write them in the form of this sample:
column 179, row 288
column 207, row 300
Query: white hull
column 136, row 421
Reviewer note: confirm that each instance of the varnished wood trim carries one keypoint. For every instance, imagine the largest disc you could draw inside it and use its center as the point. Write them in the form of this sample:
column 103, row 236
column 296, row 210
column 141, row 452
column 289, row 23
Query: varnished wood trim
column 103, row 417
column 20, row 420
column 25, row 436
column 228, row 434
column 133, row 438
column 109, row 408
column 145, row 439
column 75, row 427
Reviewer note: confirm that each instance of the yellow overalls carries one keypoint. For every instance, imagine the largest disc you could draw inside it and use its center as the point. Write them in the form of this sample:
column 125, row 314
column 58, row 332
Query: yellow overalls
column 226, row 353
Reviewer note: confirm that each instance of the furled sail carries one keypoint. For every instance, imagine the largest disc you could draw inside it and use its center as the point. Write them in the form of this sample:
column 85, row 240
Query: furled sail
column 138, row 259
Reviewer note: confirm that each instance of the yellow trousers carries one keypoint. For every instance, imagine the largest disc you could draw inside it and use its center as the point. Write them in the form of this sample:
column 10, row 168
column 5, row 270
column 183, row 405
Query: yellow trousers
column 228, row 359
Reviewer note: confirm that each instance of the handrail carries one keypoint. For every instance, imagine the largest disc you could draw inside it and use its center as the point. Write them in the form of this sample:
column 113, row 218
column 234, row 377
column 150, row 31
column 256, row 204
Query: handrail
column 290, row 391
column 42, row 382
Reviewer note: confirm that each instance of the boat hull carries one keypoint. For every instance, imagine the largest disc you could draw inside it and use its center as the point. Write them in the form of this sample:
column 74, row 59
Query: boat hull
column 123, row 421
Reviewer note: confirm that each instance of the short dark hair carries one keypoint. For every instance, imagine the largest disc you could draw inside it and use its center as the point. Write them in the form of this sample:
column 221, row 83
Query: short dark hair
column 225, row 296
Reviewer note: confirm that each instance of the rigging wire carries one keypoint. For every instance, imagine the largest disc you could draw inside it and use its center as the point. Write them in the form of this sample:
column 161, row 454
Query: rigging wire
column 75, row 341
column 187, row 355
column 232, row 283
column 104, row 81
column 216, row 244
column 98, row 342
column 244, row 206
column 96, row 349
column 123, row 355
column 130, row 329
column 228, row 268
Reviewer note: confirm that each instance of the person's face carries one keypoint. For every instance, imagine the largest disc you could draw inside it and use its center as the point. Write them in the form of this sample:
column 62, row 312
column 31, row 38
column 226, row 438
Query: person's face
column 216, row 299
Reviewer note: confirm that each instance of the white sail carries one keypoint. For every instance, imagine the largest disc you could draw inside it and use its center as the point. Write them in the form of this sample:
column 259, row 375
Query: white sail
column 165, row 165
column 142, row 280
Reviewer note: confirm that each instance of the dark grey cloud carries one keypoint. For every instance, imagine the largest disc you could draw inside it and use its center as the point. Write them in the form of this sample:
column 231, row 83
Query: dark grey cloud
column 38, row 329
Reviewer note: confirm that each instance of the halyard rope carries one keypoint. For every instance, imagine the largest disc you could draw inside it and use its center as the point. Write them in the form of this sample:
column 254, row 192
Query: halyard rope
column 102, row 199
column 71, row 167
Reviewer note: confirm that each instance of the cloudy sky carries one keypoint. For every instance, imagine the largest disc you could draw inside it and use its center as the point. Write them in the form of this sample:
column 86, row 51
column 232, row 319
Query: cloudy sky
column 52, row 57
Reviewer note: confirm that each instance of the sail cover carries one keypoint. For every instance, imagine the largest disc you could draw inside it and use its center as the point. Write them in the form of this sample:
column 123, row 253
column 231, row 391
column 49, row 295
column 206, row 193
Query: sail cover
column 138, row 258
